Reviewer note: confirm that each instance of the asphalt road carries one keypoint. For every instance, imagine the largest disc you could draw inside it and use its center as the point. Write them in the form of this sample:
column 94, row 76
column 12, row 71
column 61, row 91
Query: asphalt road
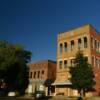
column 54, row 98
column 22, row 98
column 15, row 98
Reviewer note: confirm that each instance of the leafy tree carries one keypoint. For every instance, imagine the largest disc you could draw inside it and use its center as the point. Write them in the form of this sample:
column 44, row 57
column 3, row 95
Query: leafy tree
column 13, row 65
column 82, row 76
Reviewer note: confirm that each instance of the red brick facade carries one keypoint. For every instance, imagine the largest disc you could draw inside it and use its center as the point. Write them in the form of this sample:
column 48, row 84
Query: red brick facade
column 88, row 40
column 40, row 71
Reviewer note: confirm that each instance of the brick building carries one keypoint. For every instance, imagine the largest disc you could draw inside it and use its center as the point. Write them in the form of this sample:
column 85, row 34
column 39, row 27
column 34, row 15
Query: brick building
column 39, row 73
column 88, row 40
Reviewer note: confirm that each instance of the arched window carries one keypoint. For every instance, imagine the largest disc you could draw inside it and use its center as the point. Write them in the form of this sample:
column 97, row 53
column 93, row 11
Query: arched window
column 65, row 46
column 72, row 45
column 65, row 63
column 79, row 43
column 85, row 42
column 61, row 47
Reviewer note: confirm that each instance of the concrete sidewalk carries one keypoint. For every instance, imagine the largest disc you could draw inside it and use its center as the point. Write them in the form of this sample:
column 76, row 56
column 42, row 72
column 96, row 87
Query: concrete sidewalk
column 29, row 97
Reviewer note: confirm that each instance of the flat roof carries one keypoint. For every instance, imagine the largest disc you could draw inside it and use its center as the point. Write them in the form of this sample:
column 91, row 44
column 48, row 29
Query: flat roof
column 72, row 29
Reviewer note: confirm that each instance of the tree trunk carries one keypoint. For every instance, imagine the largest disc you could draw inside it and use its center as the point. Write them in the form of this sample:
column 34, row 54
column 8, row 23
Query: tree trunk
column 82, row 94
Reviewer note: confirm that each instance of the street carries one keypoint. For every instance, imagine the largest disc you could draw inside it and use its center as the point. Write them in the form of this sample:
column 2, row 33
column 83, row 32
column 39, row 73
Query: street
column 49, row 98
column 15, row 98
column 22, row 98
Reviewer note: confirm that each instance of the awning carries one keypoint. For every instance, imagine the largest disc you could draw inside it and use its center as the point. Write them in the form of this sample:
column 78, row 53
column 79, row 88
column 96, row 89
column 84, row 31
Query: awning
column 67, row 82
column 37, row 81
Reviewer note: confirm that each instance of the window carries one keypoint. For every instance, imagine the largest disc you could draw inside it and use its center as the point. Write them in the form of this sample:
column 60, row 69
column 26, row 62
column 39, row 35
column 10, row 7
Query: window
column 95, row 43
column 60, row 64
column 91, row 42
column 65, row 46
column 31, row 74
column 96, row 62
column 42, row 71
column 72, row 45
column 79, row 43
column 65, row 63
column 34, row 74
column 85, row 42
column 61, row 47
column 98, row 46
column 38, row 74
column 93, row 60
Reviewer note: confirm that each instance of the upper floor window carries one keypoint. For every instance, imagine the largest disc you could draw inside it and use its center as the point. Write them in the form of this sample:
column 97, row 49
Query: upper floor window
column 61, row 47
column 42, row 71
column 92, row 42
column 65, row 63
column 38, row 74
column 85, row 42
column 95, row 43
column 79, row 43
column 93, row 61
column 65, row 46
column 34, row 74
column 72, row 45
column 60, row 64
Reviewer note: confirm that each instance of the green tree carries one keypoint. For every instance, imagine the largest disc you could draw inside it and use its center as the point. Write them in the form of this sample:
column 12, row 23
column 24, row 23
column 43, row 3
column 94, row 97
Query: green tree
column 82, row 76
column 13, row 65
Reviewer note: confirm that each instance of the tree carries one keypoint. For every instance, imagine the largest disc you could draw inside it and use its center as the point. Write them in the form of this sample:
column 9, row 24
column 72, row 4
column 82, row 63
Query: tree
column 48, row 83
column 82, row 76
column 13, row 65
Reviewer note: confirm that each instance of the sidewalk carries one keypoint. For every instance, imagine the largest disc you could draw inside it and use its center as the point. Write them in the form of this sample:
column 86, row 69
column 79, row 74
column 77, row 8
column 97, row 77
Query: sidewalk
column 29, row 97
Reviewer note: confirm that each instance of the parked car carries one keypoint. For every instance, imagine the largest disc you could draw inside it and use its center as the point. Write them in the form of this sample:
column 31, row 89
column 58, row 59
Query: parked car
column 12, row 93
column 39, row 94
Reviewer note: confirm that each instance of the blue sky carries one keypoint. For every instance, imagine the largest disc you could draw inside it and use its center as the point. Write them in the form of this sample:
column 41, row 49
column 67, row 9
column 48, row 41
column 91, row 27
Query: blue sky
column 36, row 23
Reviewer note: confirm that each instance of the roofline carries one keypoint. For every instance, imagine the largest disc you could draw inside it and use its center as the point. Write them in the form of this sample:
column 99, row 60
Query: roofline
column 78, row 27
column 34, row 62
